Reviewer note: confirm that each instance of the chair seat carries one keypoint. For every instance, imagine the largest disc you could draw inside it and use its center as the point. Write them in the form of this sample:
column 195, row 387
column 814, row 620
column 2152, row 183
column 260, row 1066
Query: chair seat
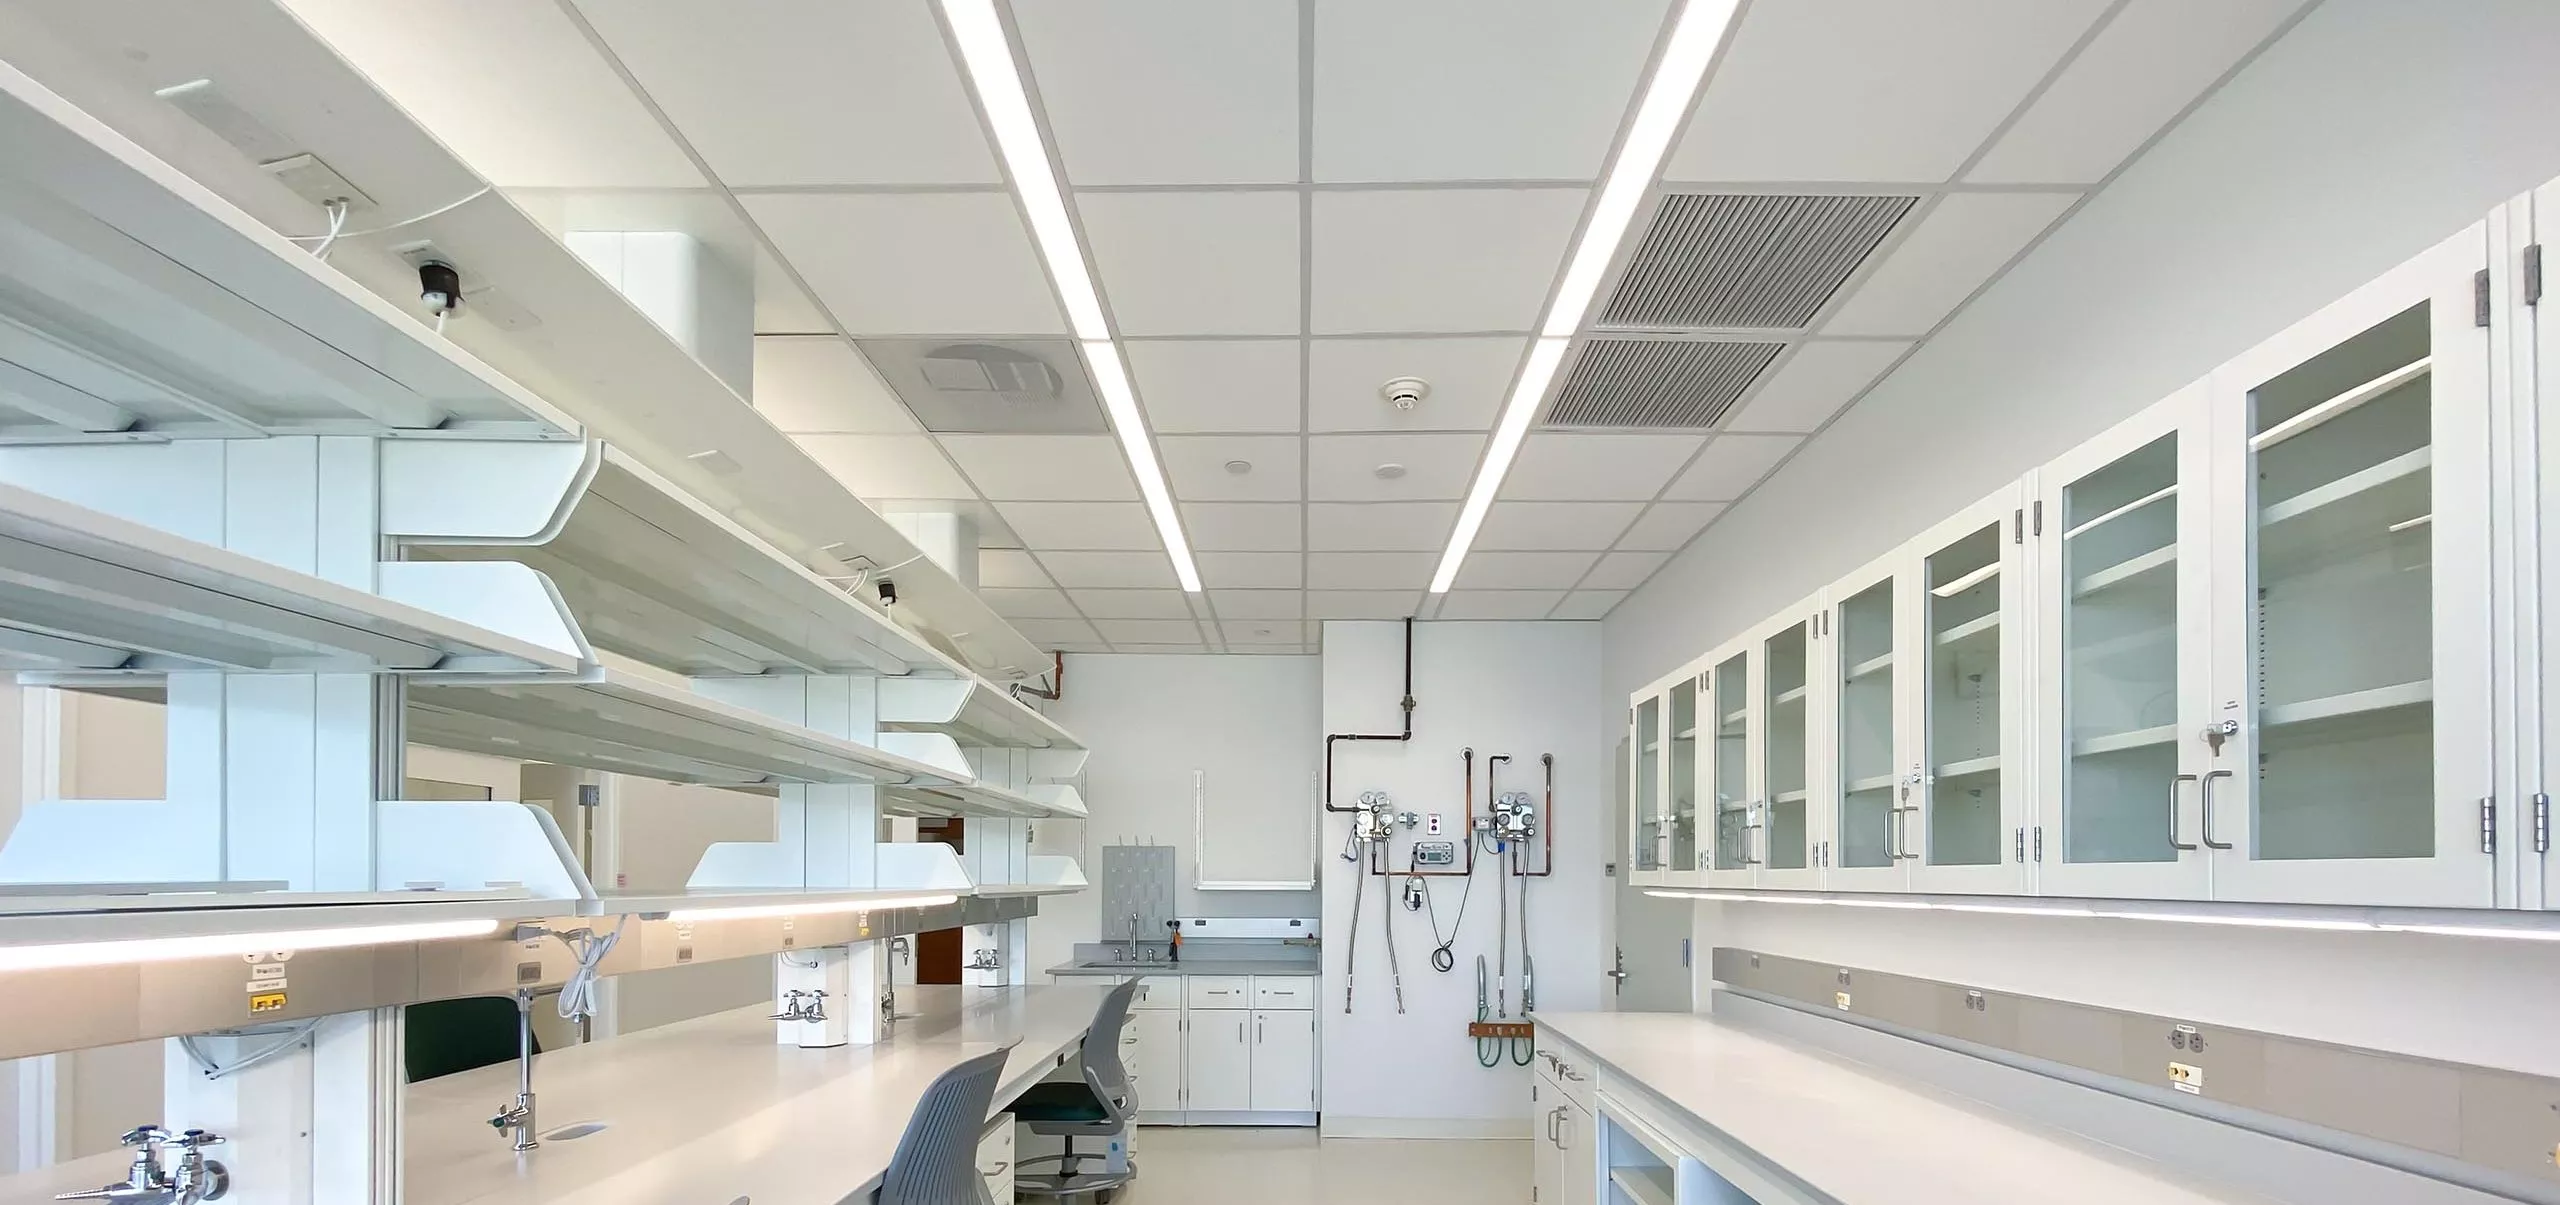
column 1059, row 1101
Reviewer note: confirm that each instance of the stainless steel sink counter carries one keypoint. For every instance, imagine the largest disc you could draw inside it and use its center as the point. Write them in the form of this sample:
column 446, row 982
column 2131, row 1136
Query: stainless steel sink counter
column 1201, row 966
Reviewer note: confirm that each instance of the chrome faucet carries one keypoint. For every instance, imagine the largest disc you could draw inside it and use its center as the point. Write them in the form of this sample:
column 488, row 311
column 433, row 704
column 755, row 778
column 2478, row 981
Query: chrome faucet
column 1133, row 937
column 983, row 959
column 794, row 1010
column 146, row 1182
column 517, row 1119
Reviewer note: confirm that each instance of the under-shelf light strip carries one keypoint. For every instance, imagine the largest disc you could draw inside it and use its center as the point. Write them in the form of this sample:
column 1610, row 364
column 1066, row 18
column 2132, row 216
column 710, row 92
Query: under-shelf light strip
column 2322, row 923
column 988, row 55
column 231, row 945
column 1668, row 94
column 809, row 908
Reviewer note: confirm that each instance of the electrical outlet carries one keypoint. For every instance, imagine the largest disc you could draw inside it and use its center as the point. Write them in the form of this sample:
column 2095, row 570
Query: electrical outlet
column 1431, row 824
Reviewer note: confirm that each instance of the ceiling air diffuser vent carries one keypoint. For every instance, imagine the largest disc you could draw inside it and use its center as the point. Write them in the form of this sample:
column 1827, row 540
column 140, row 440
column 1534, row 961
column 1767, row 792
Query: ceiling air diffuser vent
column 1746, row 261
column 1027, row 386
column 1684, row 384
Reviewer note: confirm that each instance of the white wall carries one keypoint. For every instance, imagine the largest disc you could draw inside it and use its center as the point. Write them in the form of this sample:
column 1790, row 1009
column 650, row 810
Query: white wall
column 1248, row 722
column 2374, row 129
column 1518, row 688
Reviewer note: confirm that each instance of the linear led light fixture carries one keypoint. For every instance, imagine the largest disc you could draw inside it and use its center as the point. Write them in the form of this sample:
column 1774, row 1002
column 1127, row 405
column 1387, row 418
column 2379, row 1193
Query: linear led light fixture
column 2235, row 920
column 1668, row 94
column 806, row 908
column 231, row 945
column 988, row 56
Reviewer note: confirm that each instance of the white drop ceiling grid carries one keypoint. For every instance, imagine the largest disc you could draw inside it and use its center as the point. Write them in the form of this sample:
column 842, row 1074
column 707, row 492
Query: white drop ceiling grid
column 1286, row 202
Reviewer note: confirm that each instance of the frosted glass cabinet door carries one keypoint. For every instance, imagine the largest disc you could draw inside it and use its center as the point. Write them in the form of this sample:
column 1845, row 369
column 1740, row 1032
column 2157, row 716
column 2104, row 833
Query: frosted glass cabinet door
column 2351, row 600
column 1650, row 832
column 1795, row 741
column 1966, row 777
column 2538, row 220
column 1872, row 841
column 1733, row 855
column 2120, row 525
column 1681, row 775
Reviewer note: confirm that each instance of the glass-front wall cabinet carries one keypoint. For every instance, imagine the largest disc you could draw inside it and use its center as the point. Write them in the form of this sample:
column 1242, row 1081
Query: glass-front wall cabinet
column 1647, row 746
column 1682, row 771
column 1966, row 784
column 1730, row 854
column 1790, row 700
column 1869, row 836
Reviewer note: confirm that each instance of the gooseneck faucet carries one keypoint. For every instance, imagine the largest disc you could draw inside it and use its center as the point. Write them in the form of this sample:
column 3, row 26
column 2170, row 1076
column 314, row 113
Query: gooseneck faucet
column 517, row 1119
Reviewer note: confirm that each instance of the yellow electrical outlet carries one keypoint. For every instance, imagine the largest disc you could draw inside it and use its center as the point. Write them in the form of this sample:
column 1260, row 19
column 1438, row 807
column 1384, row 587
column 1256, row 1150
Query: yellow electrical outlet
column 266, row 1002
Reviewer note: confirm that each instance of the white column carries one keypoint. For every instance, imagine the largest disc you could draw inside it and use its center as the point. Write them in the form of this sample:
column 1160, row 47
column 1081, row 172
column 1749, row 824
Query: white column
column 947, row 538
column 705, row 305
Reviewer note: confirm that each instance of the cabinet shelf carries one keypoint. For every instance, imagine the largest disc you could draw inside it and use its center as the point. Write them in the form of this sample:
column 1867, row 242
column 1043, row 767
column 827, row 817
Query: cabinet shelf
column 1732, row 720
column 629, row 723
column 1788, row 697
column 1966, row 767
column 141, row 301
column 2116, row 742
column 1795, row 796
column 2362, row 504
column 2342, row 706
column 1971, row 629
column 1872, row 782
column 86, row 591
column 1689, row 733
column 1870, row 667
column 2134, row 570
column 1644, row 1185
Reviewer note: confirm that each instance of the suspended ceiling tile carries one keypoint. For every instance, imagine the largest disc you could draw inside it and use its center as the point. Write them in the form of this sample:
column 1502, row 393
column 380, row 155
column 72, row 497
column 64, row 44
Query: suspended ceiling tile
column 1624, row 570
column 1669, row 526
column 473, row 72
column 914, row 263
column 1554, row 526
column 1364, row 571
column 1587, row 604
column 2147, row 65
column 1029, row 603
column 1730, row 465
column 1055, row 632
column 1397, row 467
column 1498, row 604
column 1250, row 570
column 1146, row 648
column 1078, row 570
column 1870, row 90
column 1216, row 385
column 1475, row 89
column 1455, row 259
column 1363, row 604
column 1150, row 631
column 1047, row 468
column 887, row 466
column 1084, row 525
column 819, row 383
column 1522, row 570
column 1001, row 568
column 782, row 306
column 1204, row 263
column 1258, row 604
column 1593, row 466
column 804, row 92
column 1263, row 632
column 1133, row 604
column 1242, row 526
column 1168, row 91
column 1962, row 243
column 1468, row 379
column 1814, row 382
column 1203, row 468
column 1380, row 526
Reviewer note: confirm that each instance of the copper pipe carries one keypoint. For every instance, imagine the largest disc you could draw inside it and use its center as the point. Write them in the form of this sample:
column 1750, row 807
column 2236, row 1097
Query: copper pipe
column 1466, row 832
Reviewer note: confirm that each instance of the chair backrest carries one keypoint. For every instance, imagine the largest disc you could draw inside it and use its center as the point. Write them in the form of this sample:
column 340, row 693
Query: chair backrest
column 937, row 1158
column 1103, row 1070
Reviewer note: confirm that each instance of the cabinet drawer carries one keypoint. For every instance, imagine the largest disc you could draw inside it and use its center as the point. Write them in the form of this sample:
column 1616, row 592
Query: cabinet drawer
column 995, row 1156
column 1157, row 993
column 1219, row 991
column 1567, row 1070
column 1284, row 991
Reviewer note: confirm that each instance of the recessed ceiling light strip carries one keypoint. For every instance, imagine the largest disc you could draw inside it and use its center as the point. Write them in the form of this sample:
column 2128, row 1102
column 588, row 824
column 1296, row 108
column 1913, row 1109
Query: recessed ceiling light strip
column 1668, row 94
column 988, row 56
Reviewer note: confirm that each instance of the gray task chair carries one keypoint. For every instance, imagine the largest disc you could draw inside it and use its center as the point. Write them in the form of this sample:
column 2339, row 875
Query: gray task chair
column 937, row 1158
column 1097, row 1108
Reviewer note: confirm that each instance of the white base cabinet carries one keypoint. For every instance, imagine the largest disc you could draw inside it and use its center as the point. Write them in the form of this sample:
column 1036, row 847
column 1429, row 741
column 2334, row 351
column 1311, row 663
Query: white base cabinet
column 1284, row 1060
column 1223, row 1049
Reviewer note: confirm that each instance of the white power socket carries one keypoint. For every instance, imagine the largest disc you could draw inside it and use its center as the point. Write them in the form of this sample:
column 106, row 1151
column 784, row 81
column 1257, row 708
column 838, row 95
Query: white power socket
column 1431, row 824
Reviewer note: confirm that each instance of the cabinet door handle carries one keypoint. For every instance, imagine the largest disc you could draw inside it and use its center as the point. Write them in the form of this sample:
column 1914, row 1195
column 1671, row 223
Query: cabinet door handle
column 2174, row 843
column 1554, row 1116
column 2209, row 842
column 1563, row 1127
column 1257, row 1031
column 1239, row 1033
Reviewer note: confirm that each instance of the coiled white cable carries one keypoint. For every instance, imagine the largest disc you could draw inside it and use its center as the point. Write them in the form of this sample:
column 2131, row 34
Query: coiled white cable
column 578, row 995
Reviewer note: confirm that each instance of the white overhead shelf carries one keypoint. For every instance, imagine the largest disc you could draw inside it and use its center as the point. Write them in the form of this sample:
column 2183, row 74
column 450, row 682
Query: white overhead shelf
column 777, row 902
column 976, row 798
column 85, row 591
column 1050, row 874
column 631, row 724
column 656, row 575
column 139, row 303
column 971, row 711
column 177, row 916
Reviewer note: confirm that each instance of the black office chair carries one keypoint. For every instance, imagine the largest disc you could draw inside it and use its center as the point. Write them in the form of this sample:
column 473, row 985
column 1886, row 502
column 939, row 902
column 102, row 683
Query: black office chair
column 937, row 1158
column 1099, row 1107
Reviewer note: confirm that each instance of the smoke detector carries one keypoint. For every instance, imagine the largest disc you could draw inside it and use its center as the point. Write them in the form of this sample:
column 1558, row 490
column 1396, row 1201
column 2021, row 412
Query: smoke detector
column 1239, row 467
column 1404, row 393
column 1389, row 471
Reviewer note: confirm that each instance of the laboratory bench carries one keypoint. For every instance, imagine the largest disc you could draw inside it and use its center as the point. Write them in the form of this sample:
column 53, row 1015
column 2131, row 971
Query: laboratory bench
column 1142, row 970
column 1677, row 1107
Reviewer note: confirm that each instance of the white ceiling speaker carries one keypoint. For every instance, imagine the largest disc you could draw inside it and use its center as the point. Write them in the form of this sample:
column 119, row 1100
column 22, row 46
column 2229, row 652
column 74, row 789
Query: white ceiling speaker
column 1404, row 393
column 1390, row 471
column 1239, row 467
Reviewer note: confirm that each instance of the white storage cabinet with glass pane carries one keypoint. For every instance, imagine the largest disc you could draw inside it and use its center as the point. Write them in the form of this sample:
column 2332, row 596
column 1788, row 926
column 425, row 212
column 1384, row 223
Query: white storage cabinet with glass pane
column 1664, row 749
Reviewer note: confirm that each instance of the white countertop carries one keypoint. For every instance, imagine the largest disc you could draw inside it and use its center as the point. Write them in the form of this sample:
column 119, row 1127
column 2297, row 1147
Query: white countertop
column 1860, row 1135
column 1209, row 966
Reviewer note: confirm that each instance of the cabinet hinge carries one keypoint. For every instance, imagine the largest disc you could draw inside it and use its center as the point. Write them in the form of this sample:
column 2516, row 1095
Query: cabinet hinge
column 2039, row 516
column 2533, row 274
column 2039, row 843
column 2018, row 526
column 2480, row 297
column 2489, row 825
column 2022, row 843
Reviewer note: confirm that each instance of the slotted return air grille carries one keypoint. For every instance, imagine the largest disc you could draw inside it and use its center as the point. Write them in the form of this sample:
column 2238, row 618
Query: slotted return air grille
column 1734, row 260
column 1674, row 383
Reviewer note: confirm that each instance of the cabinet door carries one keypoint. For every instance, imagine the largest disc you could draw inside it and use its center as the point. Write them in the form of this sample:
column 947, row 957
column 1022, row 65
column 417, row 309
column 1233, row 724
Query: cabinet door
column 1650, row 833
column 1155, row 1062
column 1870, row 834
column 1683, row 771
column 1966, row 776
column 1733, row 857
column 2351, row 600
column 1217, row 1060
column 2121, row 620
column 1546, row 1159
column 1795, row 697
column 2537, row 221
column 1284, row 1061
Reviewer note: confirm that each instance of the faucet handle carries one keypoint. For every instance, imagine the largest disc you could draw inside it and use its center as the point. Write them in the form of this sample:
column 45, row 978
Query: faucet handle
column 145, row 1136
column 195, row 1139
